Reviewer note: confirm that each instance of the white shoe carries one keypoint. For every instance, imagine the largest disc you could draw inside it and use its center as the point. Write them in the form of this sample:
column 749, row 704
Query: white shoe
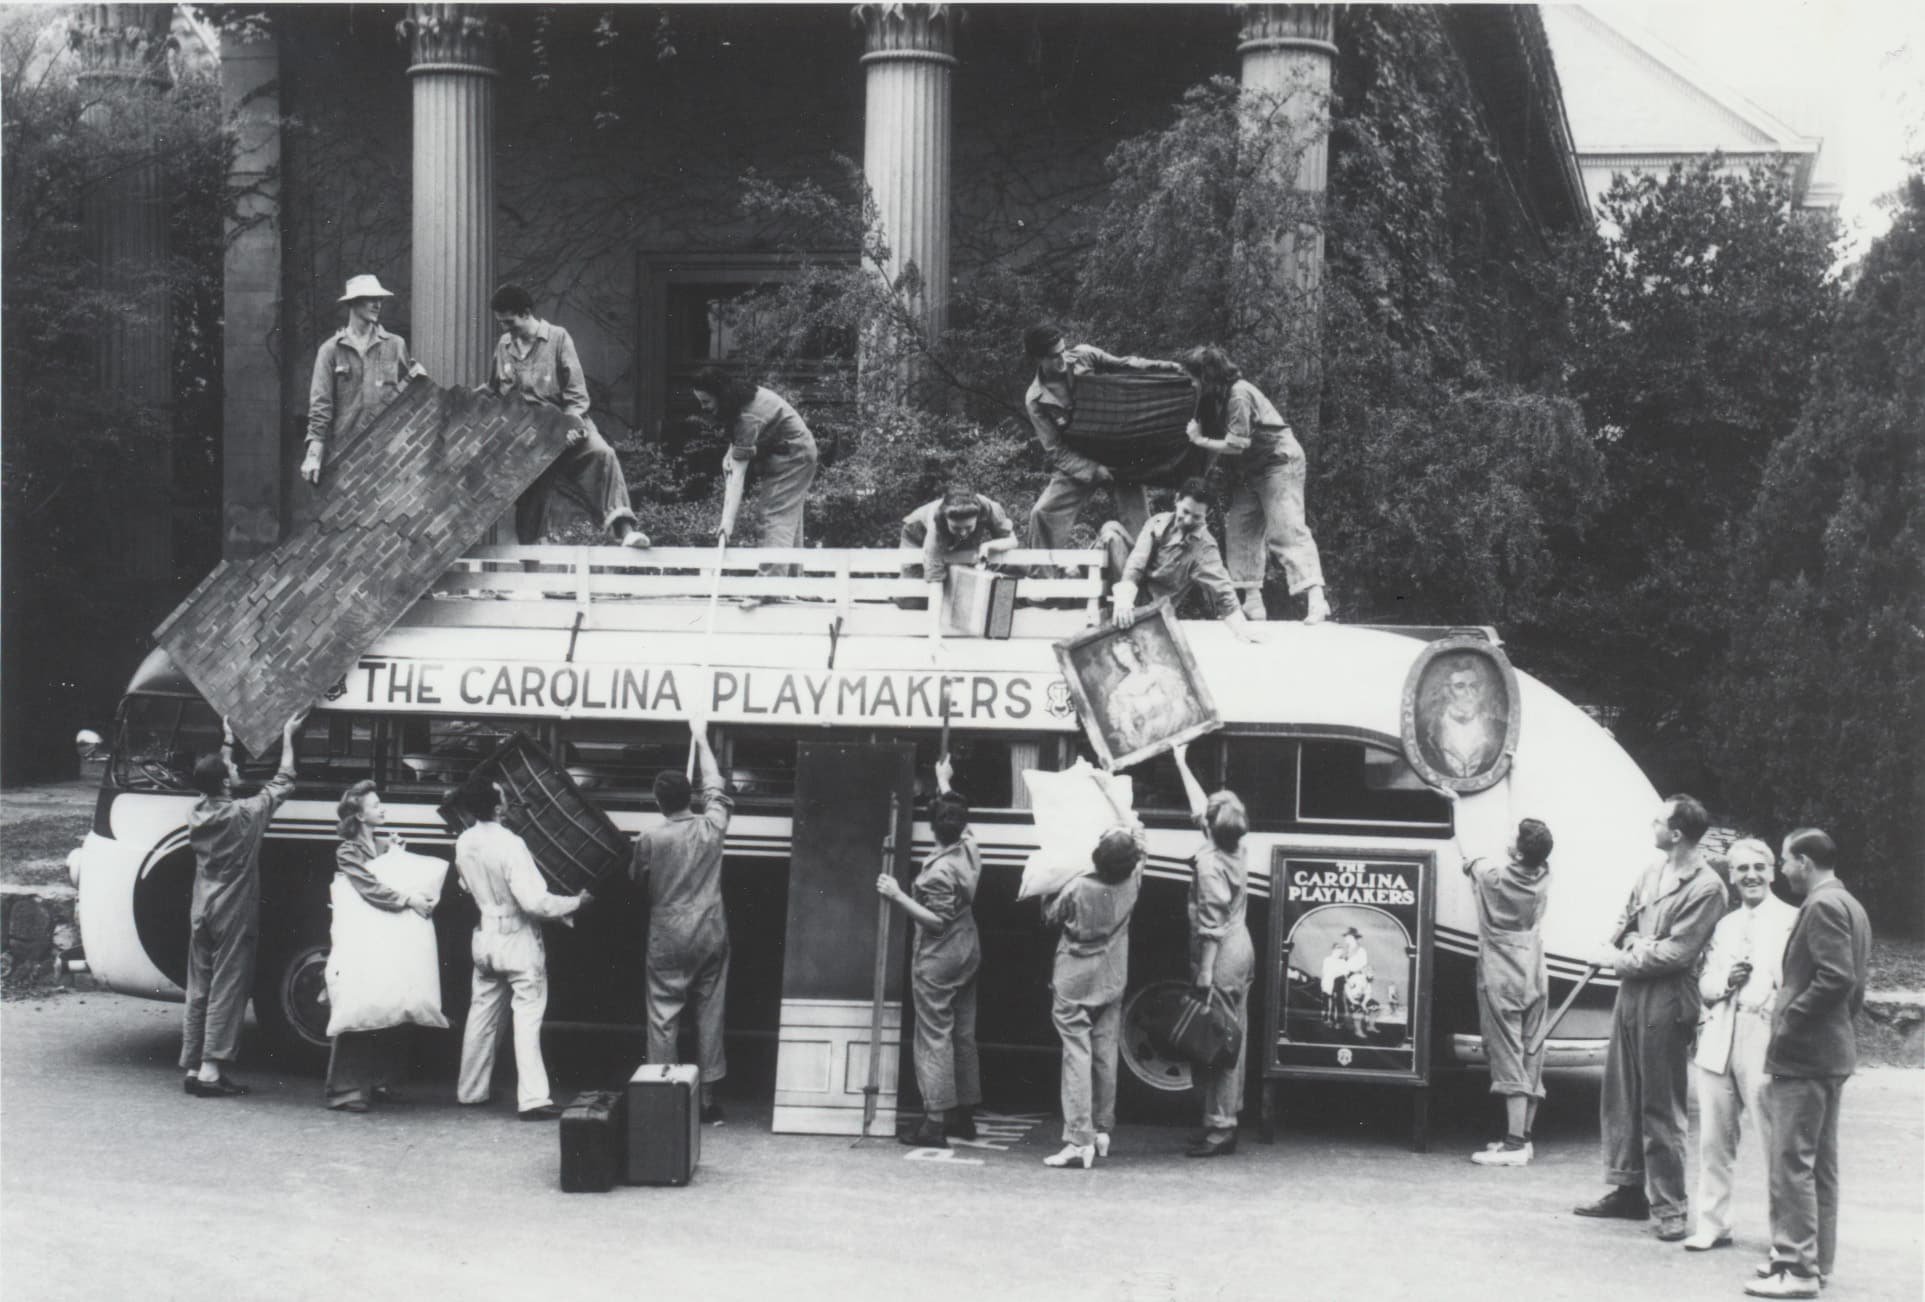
column 1073, row 1155
column 1785, row 1284
column 1501, row 1156
column 636, row 540
column 1102, row 1143
column 1316, row 607
column 1253, row 607
column 1705, row 1241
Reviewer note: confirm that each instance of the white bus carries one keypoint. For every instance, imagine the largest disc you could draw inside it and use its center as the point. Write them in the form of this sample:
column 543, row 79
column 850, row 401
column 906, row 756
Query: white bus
column 597, row 658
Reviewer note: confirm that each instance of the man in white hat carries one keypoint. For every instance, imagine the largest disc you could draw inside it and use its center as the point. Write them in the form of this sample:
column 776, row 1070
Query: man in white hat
column 358, row 372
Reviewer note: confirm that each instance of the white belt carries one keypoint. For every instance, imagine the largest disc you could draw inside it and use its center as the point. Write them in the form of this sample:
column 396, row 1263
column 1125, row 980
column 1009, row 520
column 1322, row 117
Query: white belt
column 500, row 923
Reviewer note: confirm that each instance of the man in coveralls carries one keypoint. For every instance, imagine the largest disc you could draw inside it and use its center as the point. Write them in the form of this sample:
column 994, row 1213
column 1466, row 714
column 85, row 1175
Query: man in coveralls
column 679, row 861
column 224, row 928
column 1513, row 985
column 1662, row 933
column 358, row 371
column 942, row 975
column 510, row 961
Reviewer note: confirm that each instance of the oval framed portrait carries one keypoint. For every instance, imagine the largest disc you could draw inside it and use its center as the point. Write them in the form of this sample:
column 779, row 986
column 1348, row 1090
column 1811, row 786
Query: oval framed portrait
column 1461, row 714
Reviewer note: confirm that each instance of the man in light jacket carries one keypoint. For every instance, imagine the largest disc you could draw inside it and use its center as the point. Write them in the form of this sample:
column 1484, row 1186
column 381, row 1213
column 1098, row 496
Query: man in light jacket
column 1742, row 972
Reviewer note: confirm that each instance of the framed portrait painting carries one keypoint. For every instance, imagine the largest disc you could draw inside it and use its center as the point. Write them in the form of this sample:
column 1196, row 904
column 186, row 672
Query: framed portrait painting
column 1461, row 714
column 1137, row 689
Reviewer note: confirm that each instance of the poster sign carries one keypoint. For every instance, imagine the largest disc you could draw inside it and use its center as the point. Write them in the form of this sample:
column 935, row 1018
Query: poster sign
column 1349, row 965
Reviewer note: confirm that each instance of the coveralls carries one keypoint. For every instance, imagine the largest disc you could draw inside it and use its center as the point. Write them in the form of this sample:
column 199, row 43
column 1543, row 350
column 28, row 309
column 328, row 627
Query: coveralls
column 224, row 923
column 1092, row 966
column 1163, row 561
column 1513, row 984
column 680, row 863
column 1074, row 476
column 1219, row 907
column 1729, row 1065
column 1814, row 1047
column 771, row 434
column 498, row 871
column 359, row 1062
column 942, row 979
column 1656, row 1012
column 589, row 474
column 1265, row 517
column 353, row 383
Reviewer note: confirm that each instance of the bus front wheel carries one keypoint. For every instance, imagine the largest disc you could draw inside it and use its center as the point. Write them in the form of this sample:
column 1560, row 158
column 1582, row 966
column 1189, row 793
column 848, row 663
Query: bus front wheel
column 1152, row 1085
column 290, row 1002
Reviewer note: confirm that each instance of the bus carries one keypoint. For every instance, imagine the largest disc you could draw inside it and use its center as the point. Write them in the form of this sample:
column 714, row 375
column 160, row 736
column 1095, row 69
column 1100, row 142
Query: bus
column 598, row 659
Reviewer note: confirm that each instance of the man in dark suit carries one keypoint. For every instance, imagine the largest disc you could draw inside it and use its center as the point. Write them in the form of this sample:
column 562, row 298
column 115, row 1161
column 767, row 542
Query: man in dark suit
column 1812, row 1050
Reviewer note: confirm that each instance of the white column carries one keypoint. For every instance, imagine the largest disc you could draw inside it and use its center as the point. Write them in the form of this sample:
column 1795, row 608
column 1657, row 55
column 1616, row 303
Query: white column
column 908, row 61
column 123, row 59
column 453, row 70
column 1288, row 51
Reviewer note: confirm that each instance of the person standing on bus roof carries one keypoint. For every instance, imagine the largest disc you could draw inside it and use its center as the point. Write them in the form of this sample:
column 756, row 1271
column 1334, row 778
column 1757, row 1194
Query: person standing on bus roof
column 1663, row 931
column 942, row 974
column 1265, row 518
column 510, row 962
column 224, row 925
column 1513, row 983
column 1092, row 966
column 537, row 360
column 763, row 429
column 1742, row 972
column 679, row 862
column 1173, row 554
column 1049, row 403
column 1223, row 962
column 357, row 373
column 365, row 1066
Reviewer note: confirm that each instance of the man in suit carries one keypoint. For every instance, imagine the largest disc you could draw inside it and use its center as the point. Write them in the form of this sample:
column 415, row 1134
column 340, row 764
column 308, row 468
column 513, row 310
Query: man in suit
column 1812, row 1050
column 1663, row 931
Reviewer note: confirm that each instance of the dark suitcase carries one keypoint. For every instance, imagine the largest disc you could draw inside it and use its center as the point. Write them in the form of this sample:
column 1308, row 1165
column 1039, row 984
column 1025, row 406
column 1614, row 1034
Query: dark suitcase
column 593, row 1136
column 664, row 1123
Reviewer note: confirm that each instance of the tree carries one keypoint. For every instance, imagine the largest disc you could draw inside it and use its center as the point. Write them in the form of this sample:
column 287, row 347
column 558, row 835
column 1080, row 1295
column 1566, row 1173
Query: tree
column 1695, row 332
column 1817, row 711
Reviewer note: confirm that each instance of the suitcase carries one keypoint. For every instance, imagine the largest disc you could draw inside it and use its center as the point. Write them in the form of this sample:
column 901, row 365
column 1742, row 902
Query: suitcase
column 593, row 1142
column 664, row 1123
column 978, row 603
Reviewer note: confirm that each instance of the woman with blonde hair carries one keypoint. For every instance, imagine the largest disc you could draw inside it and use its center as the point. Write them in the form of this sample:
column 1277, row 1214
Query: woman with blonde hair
column 1222, row 960
column 365, row 1066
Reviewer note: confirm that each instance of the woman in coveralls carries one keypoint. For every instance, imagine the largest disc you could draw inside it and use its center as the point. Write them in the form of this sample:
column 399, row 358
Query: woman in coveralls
column 762, row 428
column 1221, row 956
column 942, row 975
column 1092, row 965
column 364, row 1066
column 1265, row 463
column 1513, row 986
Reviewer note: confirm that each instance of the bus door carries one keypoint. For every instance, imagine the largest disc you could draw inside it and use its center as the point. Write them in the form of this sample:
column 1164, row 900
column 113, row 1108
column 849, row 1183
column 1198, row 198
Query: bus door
column 844, row 795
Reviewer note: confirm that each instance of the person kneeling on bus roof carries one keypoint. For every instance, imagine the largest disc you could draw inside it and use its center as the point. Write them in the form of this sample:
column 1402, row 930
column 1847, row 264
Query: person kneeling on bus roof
column 679, row 861
column 497, row 870
column 959, row 528
column 1174, row 554
column 224, row 927
column 1086, row 989
column 1222, row 960
column 537, row 360
column 1513, row 984
column 942, row 975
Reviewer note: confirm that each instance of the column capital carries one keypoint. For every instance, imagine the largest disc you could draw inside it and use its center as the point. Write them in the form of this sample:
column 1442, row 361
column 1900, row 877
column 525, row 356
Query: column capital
column 1287, row 27
column 450, row 38
column 922, row 33
column 124, row 42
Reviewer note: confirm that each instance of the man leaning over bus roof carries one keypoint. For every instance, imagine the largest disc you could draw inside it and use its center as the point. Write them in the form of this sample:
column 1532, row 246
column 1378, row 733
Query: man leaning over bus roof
column 358, row 371
column 224, row 926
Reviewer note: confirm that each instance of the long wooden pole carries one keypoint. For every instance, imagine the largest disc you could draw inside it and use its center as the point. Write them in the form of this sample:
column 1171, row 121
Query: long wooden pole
column 708, row 632
column 872, row 1089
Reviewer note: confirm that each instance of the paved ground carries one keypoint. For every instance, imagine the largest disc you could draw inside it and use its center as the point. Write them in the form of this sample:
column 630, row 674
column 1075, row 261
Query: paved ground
column 116, row 1185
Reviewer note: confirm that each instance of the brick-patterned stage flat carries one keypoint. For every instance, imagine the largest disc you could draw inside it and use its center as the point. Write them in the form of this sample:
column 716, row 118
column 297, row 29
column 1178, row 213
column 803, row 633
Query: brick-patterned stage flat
column 265, row 637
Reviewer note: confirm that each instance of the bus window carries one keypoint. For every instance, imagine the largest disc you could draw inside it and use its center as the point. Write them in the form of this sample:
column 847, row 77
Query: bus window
column 761, row 766
column 335, row 751
column 441, row 753
column 613, row 757
column 989, row 766
column 1351, row 782
column 1263, row 770
column 146, row 757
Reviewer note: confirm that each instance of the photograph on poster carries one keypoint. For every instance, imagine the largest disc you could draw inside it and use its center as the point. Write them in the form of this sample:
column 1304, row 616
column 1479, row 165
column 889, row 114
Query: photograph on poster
column 1350, row 976
column 1137, row 689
